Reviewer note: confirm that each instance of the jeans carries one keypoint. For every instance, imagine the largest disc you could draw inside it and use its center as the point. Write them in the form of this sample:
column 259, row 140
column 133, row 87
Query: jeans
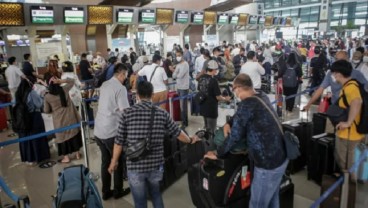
column 184, row 107
column 265, row 187
column 141, row 182
column 106, row 147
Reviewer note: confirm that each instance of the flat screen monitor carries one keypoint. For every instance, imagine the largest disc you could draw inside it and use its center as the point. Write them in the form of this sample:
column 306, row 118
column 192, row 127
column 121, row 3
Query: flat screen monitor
column 253, row 19
column 276, row 20
column 182, row 17
column 124, row 16
column 261, row 20
column 223, row 19
column 42, row 14
column 283, row 21
column 147, row 16
column 197, row 17
column 74, row 15
column 234, row 19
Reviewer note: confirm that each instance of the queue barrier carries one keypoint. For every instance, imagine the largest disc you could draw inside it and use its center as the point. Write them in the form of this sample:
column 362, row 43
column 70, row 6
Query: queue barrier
column 21, row 201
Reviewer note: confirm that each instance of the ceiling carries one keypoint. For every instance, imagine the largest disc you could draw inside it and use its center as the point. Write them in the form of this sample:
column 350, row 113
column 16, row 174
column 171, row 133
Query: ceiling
column 138, row 3
column 228, row 5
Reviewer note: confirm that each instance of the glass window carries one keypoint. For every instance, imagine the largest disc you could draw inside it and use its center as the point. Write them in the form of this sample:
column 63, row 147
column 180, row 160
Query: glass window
column 286, row 2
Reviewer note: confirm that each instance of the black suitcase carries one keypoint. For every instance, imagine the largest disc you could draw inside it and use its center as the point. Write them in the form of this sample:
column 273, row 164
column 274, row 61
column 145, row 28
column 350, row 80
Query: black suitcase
column 321, row 160
column 334, row 199
column 170, row 145
column 304, row 131
column 319, row 123
column 195, row 152
column 194, row 107
column 195, row 185
column 286, row 195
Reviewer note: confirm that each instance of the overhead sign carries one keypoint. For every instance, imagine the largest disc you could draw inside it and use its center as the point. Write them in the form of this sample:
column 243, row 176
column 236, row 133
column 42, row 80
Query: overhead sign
column 42, row 14
column 125, row 16
column 269, row 21
column 182, row 17
column 253, row 19
column 197, row 17
column 261, row 20
column 74, row 15
column 276, row 20
column 234, row 19
column 147, row 16
column 223, row 19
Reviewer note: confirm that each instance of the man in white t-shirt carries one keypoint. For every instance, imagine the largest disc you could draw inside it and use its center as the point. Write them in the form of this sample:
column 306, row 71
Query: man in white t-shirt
column 198, row 66
column 253, row 69
column 236, row 50
column 156, row 74
column 13, row 75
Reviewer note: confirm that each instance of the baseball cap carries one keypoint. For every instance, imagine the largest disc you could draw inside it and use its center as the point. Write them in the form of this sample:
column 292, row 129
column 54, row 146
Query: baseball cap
column 145, row 59
column 357, row 55
column 212, row 65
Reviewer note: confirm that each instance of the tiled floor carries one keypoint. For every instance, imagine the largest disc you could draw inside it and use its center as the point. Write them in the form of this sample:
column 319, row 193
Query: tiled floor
column 40, row 184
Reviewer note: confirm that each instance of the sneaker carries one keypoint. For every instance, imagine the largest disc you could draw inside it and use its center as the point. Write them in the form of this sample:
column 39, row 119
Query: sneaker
column 107, row 195
column 122, row 193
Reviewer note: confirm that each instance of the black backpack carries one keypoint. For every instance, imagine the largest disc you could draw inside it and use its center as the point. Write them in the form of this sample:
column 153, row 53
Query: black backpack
column 21, row 117
column 202, row 94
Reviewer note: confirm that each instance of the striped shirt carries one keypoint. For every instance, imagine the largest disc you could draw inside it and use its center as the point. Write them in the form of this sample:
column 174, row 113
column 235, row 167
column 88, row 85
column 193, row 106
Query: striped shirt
column 134, row 125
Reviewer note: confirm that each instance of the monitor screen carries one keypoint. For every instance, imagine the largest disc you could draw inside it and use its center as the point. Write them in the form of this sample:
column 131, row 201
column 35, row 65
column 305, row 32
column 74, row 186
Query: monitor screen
column 283, row 21
column 147, row 16
column 197, row 17
column 42, row 14
column 234, row 19
column 73, row 15
column 276, row 20
column 261, row 20
column 223, row 19
column 253, row 19
column 182, row 17
column 125, row 16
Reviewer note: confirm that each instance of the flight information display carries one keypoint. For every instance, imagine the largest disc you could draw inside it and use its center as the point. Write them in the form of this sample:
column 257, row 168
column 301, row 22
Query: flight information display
column 42, row 14
column 74, row 15
column 234, row 19
column 223, row 19
column 253, row 19
column 147, row 16
column 261, row 20
column 182, row 17
column 197, row 17
column 125, row 16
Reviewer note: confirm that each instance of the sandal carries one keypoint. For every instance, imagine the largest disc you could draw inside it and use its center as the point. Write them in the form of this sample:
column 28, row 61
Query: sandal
column 47, row 164
column 61, row 161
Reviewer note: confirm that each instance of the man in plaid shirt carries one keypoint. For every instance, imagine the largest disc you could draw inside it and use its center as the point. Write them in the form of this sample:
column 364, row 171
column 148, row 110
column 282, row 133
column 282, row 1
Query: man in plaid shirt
column 133, row 126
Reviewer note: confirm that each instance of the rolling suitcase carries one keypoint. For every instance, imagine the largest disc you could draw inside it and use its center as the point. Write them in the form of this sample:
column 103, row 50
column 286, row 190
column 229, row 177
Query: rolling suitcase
column 195, row 185
column 334, row 199
column 362, row 171
column 3, row 119
column 286, row 195
column 319, row 123
column 175, row 105
column 194, row 107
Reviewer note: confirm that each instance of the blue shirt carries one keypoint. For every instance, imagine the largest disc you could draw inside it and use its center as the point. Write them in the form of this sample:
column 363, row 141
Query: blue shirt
column 110, row 72
column 254, row 123
column 336, row 87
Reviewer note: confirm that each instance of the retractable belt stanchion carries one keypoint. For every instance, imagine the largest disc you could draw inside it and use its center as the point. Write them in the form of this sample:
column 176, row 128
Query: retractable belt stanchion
column 93, row 175
column 86, row 118
column 171, row 107
column 345, row 191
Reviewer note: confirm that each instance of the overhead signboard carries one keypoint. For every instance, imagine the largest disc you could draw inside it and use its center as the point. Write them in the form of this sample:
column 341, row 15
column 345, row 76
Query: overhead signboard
column 210, row 18
column 253, row 19
column 288, row 22
column 261, row 20
column 182, row 17
column 125, row 16
column 42, row 14
column 283, row 21
column 234, row 19
column 269, row 21
column 223, row 19
column 74, row 15
column 147, row 16
column 11, row 14
column 164, row 16
column 197, row 17
column 243, row 19
column 276, row 20
column 100, row 15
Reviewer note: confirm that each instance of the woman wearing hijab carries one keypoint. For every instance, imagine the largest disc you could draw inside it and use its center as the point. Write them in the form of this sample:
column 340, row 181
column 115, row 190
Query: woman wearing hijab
column 64, row 114
column 74, row 93
column 37, row 150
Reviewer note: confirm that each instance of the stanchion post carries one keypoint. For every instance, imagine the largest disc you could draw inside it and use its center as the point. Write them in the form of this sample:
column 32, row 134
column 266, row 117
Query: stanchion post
column 345, row 191
column 86, row 119
column 94, row 176
column 171, row 107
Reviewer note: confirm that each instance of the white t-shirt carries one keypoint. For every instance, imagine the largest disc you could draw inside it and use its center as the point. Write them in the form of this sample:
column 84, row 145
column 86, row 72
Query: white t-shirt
column 235, row 51
column 255, row 71
column 158, row 78
column 13, row 75
column 199, row 64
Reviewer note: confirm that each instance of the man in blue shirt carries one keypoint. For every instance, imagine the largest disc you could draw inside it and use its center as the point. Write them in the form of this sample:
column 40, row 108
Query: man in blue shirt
column 257, row 123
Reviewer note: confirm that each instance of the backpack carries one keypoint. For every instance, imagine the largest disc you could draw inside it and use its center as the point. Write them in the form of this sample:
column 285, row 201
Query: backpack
column 101, row 76
column 230, row 71
column 202, row 93
column 289, row 78
column 362, row 126
column 76, row 189
column 21, row 117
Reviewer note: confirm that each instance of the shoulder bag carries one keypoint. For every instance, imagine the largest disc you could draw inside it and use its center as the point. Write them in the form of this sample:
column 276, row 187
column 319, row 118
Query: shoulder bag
column 142, row 148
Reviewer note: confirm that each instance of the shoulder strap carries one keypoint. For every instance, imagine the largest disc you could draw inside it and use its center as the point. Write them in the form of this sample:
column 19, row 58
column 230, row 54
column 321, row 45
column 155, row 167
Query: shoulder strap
column 153, row 73
column 151, row 125
column 270, row 111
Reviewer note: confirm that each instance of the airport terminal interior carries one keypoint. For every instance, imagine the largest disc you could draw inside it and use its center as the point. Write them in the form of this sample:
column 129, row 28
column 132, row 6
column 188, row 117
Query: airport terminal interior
column 76, row 65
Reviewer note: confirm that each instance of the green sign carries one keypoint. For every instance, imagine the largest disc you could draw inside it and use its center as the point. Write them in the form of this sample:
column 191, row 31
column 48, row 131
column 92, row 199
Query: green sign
column 234, row 19
column 125, row 16
column 74, row 15
column 223, row 19
column 42, row 14
column 197, row 17
column 253, row 20
column 148, row 16
column 182, row 17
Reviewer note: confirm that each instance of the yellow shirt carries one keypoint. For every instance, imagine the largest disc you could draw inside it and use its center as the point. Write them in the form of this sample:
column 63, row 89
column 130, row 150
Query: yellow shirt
column 303, row 51
column 351, row 92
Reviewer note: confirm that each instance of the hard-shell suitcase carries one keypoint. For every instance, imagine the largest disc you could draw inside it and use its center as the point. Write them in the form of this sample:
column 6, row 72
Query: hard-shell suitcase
column 319, row 123
column 175, row 105
column 334, row 199
column 286, row 193
column 362, row 171
column 195, row 185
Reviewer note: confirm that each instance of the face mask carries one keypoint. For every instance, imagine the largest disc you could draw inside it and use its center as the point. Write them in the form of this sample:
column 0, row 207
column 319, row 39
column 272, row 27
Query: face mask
column 178, row 59
column 356, row 61
column 365, row 59
column 333, row 78
column 161, row 63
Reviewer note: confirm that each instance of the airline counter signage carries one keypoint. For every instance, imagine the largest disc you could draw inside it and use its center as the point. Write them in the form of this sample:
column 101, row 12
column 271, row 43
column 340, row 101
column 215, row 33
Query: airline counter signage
column 182, row 17
column 223, row 19
column 74, row 15
column 42, row 14
column 148, row 16
column 197, row 17
column 125, row 16
column 234, row 19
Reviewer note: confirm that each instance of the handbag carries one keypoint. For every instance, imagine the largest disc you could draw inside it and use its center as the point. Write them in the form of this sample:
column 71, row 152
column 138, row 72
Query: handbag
column 291, row 142
column 323, row 106
column 337, row 114
column 139, row 150
column 200, row 97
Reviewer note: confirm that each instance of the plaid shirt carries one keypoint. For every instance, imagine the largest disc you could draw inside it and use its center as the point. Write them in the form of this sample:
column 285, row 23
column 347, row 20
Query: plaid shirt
column 134, row 125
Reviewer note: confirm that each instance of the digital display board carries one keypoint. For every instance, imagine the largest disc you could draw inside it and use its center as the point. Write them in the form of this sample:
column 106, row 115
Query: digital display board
column 125, row 16
column 73, row 15
column 42, row 14
column 261, row 20
column 147, row 16
column 283, row 21
column 276, row 20
column 197, row 17
column 182, row 17
column 234, row 19
column 253, row 19
column 223, row 19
